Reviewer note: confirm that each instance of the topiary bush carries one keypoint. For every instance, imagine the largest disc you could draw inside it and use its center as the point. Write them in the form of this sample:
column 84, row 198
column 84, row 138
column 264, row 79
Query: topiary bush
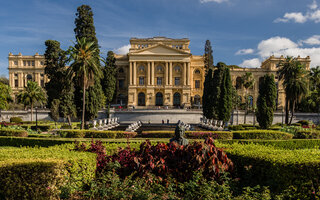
column 15, row 119
column 262, row 134
column 307, row 134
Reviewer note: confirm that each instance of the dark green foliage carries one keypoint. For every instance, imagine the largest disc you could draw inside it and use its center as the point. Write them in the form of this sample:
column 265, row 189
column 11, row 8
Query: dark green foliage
column 307, row 134
column 224, row 135
column 31, row 142
column 266, row 103
column 4, row 80
column 5, row 96
column 13, row 132
column 55, row 62
column 216, row 89
column 207, row 98
column 225, row 101
column 42, row 127
column 261, row 134
column 208, row 57
column 95, row 134
column 54, row 110
column 67, row 107
column 16, row 119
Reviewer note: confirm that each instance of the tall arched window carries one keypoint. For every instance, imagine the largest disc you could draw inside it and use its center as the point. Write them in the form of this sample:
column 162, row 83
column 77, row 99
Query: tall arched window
column 197, row 100
column 141, row 99
column 159, row 99
column 159, row 68
column 176, row 99
column 177, row 69
column 238, row 83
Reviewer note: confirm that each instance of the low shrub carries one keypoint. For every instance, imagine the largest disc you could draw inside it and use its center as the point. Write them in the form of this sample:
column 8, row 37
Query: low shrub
column 250, row 128
column 157, row 134
column 261, row 134
column 280, row 169
column 304, row 122
column 223, row 135
column 235, row 127
column 66, row 126
column 15, row 119
column 307, row 134
column 95, row 134
column 295, row 124
column 275, row 128
column 13, row 132
column 42, row 127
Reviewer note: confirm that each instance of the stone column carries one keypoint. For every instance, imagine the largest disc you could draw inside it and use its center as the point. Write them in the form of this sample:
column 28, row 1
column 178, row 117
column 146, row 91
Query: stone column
column 148, row 74
column 130, row 74
column 170, row 73
column 134, row 73
column 188, row 73
column 166, row 77
column 152, row 73
column 184, row 75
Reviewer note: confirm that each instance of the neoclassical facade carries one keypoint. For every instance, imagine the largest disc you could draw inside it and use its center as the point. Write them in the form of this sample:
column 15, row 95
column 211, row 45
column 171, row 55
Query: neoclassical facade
column 25, row 68
column 157, row 71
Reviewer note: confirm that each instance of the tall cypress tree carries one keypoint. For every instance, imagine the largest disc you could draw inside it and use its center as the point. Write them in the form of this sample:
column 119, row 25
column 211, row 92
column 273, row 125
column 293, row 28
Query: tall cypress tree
column 216, row 89
column 207, row 104
column 266, row 102
column 55, row 61
column 94, row 96
column 109, row 80
column 208, row 57
column 225, row 98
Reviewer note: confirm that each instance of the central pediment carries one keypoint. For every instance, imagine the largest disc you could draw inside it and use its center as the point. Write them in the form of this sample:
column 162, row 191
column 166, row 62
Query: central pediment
column 160, row 50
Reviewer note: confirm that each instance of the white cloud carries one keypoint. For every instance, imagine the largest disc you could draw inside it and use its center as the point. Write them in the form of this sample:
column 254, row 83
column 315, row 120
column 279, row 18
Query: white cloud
column 244, row 51
column 314, row 40
column 297, row 17
column 216, row 1
column 123, row 50
column 251, row 63
column 313, row 5
column 268, row 47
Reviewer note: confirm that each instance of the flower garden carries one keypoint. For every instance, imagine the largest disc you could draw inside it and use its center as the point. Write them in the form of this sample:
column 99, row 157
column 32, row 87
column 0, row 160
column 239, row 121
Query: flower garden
column 244, row 163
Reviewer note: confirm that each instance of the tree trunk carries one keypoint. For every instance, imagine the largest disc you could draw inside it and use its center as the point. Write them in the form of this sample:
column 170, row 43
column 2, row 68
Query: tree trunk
column 292, row 111
column 69, row 120
column 287, row 112
column 108, row 111
column 84, row 104
column 31, row 111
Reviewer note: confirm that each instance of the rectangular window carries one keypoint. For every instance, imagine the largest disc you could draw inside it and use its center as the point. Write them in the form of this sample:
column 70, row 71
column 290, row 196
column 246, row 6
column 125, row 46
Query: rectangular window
column 121, row 84
column 32, row 63
column 24, row 63
column 42, row 83
column 41, row 63
column 176, row 81
column 159, row 80
column 16, row 83
column 141, row 80
column 15, row 62
column 197, row 84
column 29, row 63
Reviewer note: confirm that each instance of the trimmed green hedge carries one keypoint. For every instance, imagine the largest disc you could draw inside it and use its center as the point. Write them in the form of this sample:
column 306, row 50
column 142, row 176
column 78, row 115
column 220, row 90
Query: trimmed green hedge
column 42, row 127
column 16, row 119
column 157, row 134
column 13, row 132
column 31, row 142
column 261, row 134
column 44, row 173
column 95, row 134
column 280, row 169
column 281, row 144
column 226, row 135
column 308, row 134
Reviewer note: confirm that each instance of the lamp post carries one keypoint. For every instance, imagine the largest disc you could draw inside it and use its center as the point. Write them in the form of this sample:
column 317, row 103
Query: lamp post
column 36, row 118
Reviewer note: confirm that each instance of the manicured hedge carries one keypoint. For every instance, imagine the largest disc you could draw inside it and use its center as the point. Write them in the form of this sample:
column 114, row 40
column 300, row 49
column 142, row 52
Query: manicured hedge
column 279, row 169
column 223, row 135
column 12, row 132
column 31, row 142
column 157, row 134
column 42, row 127
column 44, row 173
column 281, row 144
column 308, row 134
column 16, row 119
column 95, row 134
column 261, row 134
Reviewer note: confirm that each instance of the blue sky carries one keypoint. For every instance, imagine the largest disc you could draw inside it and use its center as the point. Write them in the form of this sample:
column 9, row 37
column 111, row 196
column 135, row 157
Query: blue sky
column 242, row 32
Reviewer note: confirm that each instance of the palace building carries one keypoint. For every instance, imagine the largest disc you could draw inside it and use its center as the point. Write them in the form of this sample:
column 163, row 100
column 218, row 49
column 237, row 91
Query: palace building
column 157, row 71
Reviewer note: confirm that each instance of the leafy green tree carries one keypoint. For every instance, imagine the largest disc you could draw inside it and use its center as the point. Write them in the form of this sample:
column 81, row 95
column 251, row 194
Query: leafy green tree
column 216, row 88
column 32, row 95
column 55, row 61
column 248, row 83
column 5, row 96
column 207, row 103
column 54, row 110
column 225, row 101
column 4, row 80
column 94, row 98
column 84, row 68
column 208, row 57
column 109, row 79
column 315, row 78
column 67, row 106
column 266, row 102
column 293, row 75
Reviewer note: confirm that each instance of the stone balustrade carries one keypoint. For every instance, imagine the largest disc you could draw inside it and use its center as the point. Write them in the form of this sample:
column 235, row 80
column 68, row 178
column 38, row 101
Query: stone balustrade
column 134, row 126
column 105, row 124
column 212, row 125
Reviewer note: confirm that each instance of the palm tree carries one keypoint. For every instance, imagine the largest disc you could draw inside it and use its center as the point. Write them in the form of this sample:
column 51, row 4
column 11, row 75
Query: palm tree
column 315, row 78
column 247, row 81
column 84, row 67
column 293, row 75
column 31, row 95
